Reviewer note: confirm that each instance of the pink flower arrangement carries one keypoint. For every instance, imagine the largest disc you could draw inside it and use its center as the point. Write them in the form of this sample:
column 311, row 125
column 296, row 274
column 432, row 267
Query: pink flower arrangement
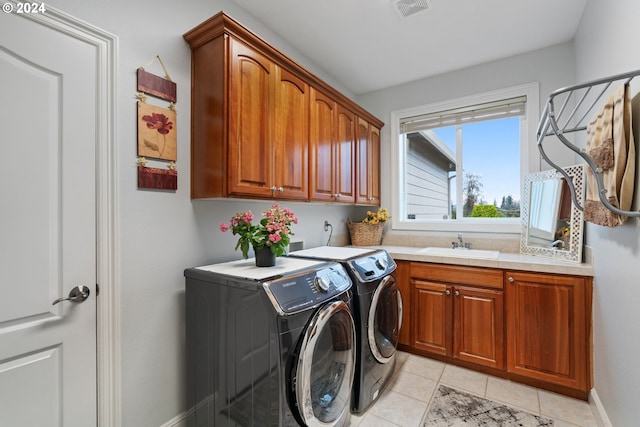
column 272, row 231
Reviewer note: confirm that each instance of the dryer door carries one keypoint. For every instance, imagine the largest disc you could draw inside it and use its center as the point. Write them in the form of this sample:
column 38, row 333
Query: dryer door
column 385, row 319
column 325, row 367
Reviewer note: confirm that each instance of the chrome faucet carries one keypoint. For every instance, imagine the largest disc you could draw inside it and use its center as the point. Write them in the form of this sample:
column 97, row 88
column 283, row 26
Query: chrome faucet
column 558, row 244
column 460, row 244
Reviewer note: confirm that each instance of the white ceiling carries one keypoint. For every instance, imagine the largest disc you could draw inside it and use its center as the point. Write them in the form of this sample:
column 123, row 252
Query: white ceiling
column 366, row 45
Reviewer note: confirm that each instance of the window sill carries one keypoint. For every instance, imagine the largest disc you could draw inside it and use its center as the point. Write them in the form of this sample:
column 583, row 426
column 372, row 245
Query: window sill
column 472, row 225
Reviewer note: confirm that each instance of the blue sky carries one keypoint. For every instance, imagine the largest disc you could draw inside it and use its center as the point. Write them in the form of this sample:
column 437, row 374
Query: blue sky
column 491, row 149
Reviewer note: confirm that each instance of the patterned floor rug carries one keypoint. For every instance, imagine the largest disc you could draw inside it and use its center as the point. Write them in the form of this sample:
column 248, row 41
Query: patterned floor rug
column 454, row 408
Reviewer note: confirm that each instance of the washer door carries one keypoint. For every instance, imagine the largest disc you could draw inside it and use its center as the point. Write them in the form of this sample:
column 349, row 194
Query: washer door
column 385, row 319
column 325, row 367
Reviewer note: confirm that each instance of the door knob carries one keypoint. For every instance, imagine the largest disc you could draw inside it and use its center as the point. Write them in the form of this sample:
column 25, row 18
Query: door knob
column 77, row 294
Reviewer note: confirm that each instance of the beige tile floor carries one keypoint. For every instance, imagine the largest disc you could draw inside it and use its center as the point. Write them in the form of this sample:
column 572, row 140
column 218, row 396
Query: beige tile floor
column 407, row 397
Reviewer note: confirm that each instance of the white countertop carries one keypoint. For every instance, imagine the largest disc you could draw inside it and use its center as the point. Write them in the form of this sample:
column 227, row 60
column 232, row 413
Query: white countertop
column 505, row 261
column 246, row 268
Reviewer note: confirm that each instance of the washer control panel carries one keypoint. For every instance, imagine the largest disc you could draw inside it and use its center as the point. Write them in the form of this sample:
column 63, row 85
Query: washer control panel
column 307, row 289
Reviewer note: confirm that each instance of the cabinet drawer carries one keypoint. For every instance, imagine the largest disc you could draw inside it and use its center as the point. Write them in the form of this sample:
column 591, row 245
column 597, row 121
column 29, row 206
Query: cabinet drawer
column 476, row 276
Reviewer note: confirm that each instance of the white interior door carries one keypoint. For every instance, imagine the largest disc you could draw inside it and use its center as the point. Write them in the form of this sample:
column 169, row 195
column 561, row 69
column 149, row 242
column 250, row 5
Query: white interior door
column 48, row 125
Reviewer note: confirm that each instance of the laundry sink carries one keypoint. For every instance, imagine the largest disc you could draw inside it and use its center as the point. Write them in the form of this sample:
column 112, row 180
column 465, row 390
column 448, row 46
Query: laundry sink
column 460, row 252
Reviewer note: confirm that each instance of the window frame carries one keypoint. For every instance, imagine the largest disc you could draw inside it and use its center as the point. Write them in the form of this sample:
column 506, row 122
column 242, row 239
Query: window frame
column 528, row 144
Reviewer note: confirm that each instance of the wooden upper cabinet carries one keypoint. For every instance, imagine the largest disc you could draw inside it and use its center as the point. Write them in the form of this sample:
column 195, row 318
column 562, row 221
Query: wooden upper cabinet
column 253, row 116
column 251, row 144
column 548, row 328
column 291, row 140
column 268, row 128
column 345, row 155
column 321, row 143
column 367, row 163
column 332, row 150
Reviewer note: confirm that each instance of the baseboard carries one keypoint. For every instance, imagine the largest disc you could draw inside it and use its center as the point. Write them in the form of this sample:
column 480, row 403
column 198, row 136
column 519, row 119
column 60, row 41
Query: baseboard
column 177, row 421
column 598, row 410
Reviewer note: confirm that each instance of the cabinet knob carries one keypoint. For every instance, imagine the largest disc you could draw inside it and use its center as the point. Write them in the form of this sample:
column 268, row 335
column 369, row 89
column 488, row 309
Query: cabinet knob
column 280, row 189
column 337, row 195
column 447, row 292
column 273, row 188
column 511, row 279
column 457, row 293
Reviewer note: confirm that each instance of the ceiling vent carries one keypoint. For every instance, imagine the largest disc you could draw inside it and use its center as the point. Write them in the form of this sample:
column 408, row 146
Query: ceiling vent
column 410, row 7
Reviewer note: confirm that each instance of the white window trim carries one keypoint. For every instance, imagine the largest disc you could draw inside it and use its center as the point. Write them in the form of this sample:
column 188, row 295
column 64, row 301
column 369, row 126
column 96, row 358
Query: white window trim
column 528, row 146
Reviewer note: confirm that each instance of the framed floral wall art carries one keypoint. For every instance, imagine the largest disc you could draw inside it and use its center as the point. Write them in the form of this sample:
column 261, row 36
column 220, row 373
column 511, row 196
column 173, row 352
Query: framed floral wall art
column 156, row 132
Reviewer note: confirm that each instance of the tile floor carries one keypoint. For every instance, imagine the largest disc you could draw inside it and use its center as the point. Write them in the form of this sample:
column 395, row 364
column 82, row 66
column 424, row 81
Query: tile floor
column 407, row 398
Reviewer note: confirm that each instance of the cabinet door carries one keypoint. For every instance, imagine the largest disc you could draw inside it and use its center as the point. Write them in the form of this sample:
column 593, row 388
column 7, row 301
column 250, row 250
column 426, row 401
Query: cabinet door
column 345, row 153
column 547, row 328
column 478, row 326
column 321, row 143
column 291, row 140
column 374, row 165
column 250, row 135
column 404, row 286
column 368, row 163
column 432, row 317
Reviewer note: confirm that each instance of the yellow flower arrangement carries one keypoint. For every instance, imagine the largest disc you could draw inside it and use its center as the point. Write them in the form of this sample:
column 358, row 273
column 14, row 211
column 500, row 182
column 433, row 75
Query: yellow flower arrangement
column 563, row 231
column 377, row 217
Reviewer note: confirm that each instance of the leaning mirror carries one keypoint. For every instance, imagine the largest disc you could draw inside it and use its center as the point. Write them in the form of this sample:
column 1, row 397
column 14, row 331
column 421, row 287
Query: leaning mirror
column 552, row 224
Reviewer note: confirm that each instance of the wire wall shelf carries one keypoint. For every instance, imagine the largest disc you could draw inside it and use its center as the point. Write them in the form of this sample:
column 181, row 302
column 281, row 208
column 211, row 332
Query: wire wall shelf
column 568, row 110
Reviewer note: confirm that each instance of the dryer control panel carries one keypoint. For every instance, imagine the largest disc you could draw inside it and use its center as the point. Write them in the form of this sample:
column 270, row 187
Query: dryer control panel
column 372, row 267
column 298, row 292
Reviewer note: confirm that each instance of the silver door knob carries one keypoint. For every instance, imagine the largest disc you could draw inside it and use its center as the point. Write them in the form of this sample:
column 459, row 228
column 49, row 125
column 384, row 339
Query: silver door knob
column 77, row 294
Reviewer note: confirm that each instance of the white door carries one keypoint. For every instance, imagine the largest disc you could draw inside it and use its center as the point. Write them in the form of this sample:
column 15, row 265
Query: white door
column 48, row 125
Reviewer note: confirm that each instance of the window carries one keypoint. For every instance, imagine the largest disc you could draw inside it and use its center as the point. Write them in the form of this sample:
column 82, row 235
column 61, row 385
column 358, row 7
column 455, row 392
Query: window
column 459, row 164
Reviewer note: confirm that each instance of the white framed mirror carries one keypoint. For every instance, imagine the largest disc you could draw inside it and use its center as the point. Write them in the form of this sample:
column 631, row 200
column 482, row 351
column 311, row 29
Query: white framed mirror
column 552, row 225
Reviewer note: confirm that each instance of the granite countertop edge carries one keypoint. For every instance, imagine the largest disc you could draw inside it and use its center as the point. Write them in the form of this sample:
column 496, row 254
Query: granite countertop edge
column 505, row 261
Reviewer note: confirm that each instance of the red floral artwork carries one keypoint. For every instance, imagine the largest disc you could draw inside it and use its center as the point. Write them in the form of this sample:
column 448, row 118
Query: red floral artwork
column 156, row 132
column 159, row 122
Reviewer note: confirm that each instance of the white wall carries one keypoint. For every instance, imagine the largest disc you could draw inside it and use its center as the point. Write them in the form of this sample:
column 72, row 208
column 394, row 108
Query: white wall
column 162, row 233
column 607, row 44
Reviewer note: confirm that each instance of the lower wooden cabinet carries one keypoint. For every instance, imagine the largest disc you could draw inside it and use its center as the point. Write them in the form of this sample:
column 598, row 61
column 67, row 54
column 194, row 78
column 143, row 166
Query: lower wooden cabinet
column 404, row 286
column 458, row 312
column 529, row 327
column 549, row 328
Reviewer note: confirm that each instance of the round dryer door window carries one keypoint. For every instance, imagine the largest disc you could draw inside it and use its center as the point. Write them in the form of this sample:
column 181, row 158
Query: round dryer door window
column 325, row 368
column 385, row 319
